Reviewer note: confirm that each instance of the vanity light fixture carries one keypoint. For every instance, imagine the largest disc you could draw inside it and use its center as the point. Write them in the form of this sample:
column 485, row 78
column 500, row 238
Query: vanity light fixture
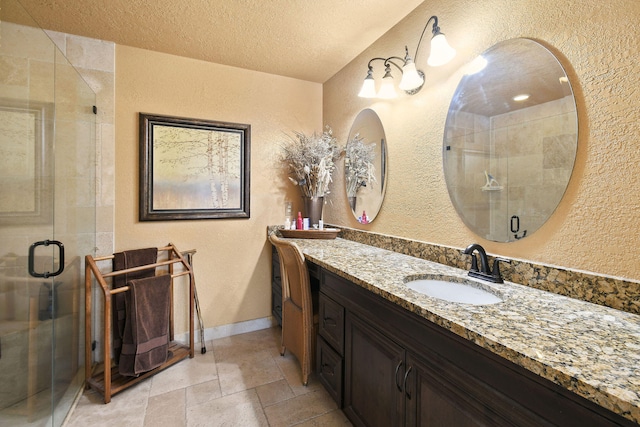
column 412, row 78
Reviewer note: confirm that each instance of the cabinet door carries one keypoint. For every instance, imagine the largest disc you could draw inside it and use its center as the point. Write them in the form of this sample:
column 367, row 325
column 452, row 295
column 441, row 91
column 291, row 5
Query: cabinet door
column 431, row 401
column 439, row 394
column 374, row 369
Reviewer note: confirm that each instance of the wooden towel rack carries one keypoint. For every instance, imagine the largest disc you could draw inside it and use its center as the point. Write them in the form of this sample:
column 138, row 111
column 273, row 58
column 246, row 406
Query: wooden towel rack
column 109, row 381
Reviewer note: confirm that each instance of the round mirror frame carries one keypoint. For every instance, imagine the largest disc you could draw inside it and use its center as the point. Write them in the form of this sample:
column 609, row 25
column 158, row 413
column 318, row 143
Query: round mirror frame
column 507, row 163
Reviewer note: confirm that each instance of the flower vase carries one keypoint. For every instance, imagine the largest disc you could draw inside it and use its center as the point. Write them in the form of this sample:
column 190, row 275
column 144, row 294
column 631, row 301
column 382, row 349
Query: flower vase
column 313, row 210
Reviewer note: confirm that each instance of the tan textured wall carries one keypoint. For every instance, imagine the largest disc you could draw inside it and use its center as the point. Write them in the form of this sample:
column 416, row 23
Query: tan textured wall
column 595, row 227
column 232, row 263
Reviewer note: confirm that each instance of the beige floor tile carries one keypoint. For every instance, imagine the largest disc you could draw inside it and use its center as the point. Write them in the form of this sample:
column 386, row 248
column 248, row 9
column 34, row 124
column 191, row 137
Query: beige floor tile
column 300, row 408
column 227, row 386
column 203, row 392
column 292, row 372
column 229, row 348
column 239, row 409
column 126, row 408
column 335, row 418
column 166, row 410
column 247, row 371
column 274, row 392
column 188, row 372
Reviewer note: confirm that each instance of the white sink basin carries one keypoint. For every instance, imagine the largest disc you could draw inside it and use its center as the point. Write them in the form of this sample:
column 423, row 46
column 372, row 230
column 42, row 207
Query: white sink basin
column 465, row 292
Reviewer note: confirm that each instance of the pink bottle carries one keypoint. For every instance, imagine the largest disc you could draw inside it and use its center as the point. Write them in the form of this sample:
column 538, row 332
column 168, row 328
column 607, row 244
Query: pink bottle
column 299, row 221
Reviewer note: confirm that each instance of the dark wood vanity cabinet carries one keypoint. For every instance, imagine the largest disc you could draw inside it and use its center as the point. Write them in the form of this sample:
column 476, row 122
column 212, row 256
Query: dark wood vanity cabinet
column 398, row 369
column 405, row 390
column 330, row 346
column 276, row 287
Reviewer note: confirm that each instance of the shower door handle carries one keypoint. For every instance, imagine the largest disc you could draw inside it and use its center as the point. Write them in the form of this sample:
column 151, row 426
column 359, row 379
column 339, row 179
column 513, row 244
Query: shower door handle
column 46, row 274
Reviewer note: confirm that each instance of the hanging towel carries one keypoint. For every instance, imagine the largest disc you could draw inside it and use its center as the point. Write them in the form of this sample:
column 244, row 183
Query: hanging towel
column 145, row 343
column 122, row 261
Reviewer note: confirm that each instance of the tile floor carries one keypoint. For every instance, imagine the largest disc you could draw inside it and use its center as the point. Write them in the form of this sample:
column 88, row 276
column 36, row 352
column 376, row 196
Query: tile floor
column 240, row 381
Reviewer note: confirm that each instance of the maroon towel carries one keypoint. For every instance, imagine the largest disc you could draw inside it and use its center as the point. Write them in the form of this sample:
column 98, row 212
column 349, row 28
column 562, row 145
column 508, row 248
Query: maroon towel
column 122, row 261
column 145, row 343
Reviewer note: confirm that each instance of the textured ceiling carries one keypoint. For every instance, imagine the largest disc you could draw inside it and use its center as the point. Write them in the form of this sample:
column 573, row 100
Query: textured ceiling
column 305, row 39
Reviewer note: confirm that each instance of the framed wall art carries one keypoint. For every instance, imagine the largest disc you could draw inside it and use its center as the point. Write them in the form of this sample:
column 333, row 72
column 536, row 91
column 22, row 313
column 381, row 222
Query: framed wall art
column 193, row 169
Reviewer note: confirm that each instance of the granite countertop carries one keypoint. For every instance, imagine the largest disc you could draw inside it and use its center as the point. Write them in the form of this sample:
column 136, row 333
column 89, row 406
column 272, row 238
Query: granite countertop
column 589, row 349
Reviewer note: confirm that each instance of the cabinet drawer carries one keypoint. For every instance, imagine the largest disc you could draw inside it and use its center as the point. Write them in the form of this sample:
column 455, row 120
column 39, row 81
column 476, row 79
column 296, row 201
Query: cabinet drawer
column 331, row 322
column 330, row 366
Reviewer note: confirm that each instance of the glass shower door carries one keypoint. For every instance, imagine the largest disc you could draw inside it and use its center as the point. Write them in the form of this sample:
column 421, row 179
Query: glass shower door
column 74, row 216
column 47, row 185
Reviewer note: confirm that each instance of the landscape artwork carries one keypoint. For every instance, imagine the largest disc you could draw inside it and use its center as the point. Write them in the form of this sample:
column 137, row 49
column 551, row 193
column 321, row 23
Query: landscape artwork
column 194, row 169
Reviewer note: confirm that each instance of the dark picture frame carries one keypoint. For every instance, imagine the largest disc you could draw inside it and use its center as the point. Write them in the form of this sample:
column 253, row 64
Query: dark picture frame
column 193, row 168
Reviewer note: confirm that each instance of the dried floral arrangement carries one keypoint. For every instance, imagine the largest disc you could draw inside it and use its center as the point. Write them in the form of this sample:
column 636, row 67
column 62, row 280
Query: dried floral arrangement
column 359, row 168
column 311, row 161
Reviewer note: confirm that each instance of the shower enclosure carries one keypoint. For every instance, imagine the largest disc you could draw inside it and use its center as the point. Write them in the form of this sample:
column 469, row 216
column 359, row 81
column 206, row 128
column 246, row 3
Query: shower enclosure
column 47, row 222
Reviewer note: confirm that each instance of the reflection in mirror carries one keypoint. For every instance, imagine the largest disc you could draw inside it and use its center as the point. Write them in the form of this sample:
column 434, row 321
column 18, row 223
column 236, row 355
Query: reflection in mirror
column 26, row 137
column 510, row 140
column 365, row 166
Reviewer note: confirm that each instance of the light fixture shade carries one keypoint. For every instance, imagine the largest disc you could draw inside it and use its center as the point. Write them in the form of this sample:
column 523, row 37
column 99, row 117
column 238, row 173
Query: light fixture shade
column 441, row 52
column 410, row 77
column 387, row 89
column 368, row 89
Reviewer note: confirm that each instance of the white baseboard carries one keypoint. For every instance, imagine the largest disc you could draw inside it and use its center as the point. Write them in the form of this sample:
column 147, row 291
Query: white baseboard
column 230, row 329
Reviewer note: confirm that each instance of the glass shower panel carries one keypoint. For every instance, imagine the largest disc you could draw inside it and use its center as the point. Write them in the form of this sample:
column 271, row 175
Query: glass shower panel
column 74, row 225
column 26, row 214
column 47, row 182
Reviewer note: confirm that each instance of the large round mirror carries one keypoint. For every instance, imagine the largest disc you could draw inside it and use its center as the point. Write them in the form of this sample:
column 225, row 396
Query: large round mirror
column 510, row 140
column 365, row 165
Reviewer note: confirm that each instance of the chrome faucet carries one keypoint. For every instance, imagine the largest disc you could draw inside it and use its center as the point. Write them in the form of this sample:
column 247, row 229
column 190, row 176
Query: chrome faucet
column 484, row 273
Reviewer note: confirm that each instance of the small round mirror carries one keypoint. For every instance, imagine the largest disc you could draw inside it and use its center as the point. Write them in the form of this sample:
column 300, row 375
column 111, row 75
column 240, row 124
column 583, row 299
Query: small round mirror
column 510, row 140
column 365, row 166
